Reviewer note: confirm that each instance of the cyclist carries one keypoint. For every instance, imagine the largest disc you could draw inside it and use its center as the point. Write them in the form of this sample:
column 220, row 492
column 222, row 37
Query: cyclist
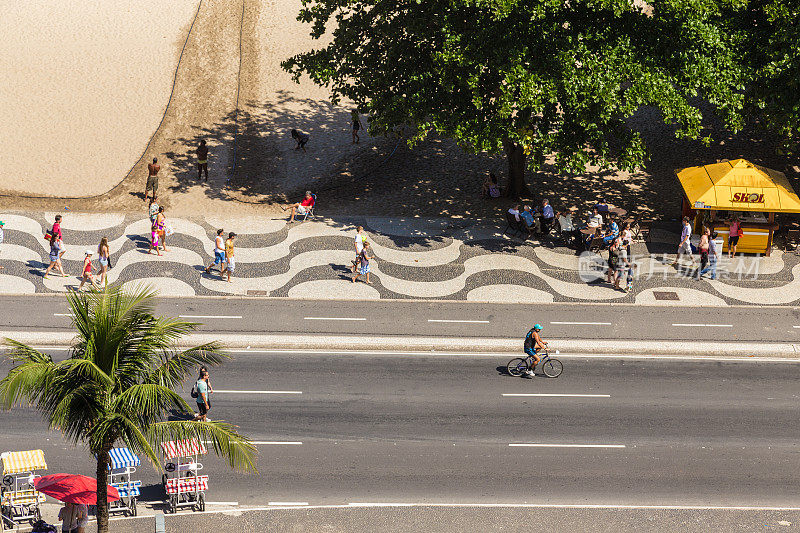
column 534, row 343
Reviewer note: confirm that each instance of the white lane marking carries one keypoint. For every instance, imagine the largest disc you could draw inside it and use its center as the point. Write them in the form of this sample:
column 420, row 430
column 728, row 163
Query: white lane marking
column 581, row 323
column 575, row 506
column 277, row 442
column 506, row 355
column 546, row 445
column 796, row 327
column 542, row 395
column 221, row 317
column 287, row 503
column 458, row 321
column 63, row 314
column 332, row 318
column 703, row 325
column 216, row 391
column 222, row 503
column 501, row 505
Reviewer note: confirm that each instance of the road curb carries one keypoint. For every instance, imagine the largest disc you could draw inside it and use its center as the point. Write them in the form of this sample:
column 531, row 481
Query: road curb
column 447, row 344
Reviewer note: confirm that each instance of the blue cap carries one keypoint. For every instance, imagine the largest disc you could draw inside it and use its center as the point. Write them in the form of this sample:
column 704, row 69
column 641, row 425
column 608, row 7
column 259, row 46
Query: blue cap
column 537, row 327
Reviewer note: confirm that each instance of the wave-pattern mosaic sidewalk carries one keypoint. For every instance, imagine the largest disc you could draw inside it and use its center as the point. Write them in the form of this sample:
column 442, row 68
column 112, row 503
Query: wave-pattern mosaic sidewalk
column 416, row 258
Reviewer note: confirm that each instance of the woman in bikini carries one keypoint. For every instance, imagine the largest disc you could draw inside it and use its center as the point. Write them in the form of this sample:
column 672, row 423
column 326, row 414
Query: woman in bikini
column 87, row 271
column 161, row 225
column 102, row 258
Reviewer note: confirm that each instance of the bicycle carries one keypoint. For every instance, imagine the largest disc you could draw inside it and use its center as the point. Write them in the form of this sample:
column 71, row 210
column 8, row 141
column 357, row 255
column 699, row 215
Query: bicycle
column 551, row 367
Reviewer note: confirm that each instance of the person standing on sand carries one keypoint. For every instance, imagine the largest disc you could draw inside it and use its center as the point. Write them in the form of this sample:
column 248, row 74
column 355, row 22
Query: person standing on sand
column 152, row 178
column 356, row 126
column 202, row 160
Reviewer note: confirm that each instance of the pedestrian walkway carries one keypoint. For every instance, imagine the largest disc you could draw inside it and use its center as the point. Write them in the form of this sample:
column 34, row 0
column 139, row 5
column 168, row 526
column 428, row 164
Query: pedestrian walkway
column 415, row 258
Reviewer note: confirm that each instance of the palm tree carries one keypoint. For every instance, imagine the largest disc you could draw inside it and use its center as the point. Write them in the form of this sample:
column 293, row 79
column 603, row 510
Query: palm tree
column 117, row 383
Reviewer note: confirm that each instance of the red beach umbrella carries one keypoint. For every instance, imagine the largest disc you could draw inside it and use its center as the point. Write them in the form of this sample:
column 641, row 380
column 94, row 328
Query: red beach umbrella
column 72, row 488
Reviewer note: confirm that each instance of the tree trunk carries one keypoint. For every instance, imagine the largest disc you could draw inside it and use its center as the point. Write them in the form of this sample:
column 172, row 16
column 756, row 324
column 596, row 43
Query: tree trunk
column 516, row 170
column 103, row 460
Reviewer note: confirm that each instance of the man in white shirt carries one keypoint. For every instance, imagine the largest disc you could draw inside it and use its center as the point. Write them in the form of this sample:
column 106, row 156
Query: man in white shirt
column 596, row 220
column 219, row 253
column 358, row 242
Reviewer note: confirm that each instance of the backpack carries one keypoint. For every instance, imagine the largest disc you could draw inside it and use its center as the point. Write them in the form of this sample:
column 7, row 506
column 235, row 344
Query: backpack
column 194, row 393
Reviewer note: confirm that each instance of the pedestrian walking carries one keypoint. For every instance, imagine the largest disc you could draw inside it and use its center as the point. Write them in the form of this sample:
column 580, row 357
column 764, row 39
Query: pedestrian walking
column 74, row 517
column 734, row 232
column 56, row 251
column 88, row 270
column 713, row 257
column 152, row 178
column 359, row 245
column 201, row 389
column 155, row 241
column 613, row 262
column 300, row 138
column 356, row 126
column 623, row 264
column 103, row 257
column 363, row 259
column 152, row 209
column 205, row 376
column 219, row 253
column 202, row 160
column 685, row 245
column 161, row 227
column 703, row 247
column 230, row 261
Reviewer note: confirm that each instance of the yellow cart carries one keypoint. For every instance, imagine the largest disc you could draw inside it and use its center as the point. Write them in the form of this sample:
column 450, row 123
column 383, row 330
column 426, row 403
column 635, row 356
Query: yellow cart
column 19, row 500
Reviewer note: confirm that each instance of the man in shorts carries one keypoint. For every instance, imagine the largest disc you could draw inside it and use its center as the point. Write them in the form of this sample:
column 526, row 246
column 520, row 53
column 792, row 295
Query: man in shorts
column 202, row 160
column 359, row 244
column 219, row 253
column 152, row 177
column 685, row 246
column 230, row 261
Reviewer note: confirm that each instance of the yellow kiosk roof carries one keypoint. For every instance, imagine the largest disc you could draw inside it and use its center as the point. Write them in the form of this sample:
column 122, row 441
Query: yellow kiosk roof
column 16, row 462
column 738, row 185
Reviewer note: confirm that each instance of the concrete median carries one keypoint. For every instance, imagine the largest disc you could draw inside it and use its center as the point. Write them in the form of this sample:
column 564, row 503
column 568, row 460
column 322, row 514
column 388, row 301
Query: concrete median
column 447, row 344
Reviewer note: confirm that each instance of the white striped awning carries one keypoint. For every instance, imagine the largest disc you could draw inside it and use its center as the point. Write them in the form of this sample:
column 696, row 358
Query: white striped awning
column 123, row 458
column 187, row 484
column 27, row 461
column 183, row 448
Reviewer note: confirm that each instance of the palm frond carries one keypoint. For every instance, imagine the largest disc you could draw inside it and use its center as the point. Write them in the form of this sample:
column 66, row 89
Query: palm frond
column 24, row 382
column 148, row 402
column 22, row 353
column 237, row 450
column 176, row 368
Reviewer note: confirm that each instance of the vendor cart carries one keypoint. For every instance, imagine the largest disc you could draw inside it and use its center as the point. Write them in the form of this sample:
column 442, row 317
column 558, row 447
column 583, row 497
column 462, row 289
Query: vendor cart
column 19, row 499
column 123, row 465
column 182, row 484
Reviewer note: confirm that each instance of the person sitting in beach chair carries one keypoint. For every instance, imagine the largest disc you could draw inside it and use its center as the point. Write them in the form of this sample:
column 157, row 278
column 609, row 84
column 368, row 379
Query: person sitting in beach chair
column 304, row 207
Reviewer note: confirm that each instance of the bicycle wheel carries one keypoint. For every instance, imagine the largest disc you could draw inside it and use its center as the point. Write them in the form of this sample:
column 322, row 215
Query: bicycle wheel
column 517, row 366
column 552, row 368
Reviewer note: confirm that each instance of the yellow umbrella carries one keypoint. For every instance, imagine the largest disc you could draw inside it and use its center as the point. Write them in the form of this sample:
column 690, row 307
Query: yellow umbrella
column 738, row 185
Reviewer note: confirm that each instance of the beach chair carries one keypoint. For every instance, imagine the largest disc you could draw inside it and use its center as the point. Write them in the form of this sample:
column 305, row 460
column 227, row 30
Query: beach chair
column 182, row 484
column 123, row 465
column 19, row 499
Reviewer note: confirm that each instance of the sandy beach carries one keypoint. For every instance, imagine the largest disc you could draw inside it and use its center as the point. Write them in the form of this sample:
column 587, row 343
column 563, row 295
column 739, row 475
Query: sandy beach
column 85, row 88
column 82, row 113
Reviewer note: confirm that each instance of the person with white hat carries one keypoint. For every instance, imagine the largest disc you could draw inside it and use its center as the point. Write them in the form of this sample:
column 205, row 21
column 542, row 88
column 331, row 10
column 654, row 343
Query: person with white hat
column 87, row 270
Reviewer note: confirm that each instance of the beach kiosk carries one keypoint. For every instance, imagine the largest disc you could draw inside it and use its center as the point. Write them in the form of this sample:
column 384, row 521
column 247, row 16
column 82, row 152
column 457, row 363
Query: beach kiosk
column 712, row 194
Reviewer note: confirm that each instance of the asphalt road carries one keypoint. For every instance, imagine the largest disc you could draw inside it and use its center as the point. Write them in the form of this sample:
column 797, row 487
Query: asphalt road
column 442, row 318
column 434, row 429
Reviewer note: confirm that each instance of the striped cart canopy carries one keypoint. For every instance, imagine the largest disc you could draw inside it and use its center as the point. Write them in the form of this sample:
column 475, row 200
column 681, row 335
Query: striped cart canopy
column 187, row 484
column 16, row 462
column 183, row 448
column 123, row 458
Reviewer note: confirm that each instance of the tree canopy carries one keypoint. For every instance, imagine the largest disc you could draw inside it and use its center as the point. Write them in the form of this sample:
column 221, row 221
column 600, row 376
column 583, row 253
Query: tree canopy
column 530, row 78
